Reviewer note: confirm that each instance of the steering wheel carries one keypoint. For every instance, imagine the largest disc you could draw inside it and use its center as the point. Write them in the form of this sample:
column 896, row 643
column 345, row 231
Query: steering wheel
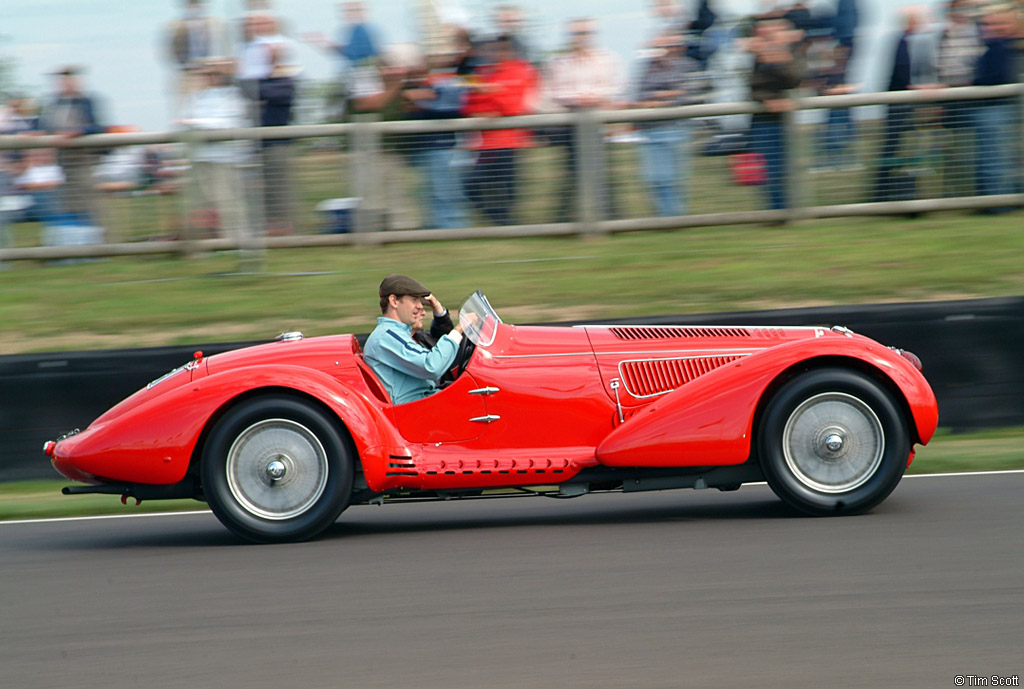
column 459, row 364
column 463, row 356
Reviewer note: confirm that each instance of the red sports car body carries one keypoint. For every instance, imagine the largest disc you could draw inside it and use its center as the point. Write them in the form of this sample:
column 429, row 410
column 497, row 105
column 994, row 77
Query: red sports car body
column 280, row 438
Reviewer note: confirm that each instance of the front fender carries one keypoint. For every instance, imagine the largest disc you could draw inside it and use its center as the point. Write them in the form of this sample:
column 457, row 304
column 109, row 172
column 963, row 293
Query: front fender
column 709, row 421
column 154, row 441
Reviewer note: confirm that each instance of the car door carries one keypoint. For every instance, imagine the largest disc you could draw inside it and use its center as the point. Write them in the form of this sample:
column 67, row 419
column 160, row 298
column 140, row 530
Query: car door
column 455, row 414
column 543, row 391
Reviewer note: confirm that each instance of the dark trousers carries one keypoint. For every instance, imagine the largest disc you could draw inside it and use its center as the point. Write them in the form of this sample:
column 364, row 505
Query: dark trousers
column 275, row 157
column 491, row 185
column 837, row 139
column 890, row 183
column 766, row 138
column 958, row 150
column 78, row 194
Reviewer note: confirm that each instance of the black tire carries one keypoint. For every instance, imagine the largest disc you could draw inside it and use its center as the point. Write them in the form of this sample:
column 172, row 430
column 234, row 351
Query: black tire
column 833, row 441
column 276, row 468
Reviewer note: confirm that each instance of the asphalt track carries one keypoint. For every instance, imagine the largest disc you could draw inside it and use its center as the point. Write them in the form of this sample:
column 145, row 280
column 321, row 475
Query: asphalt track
column 675, row 589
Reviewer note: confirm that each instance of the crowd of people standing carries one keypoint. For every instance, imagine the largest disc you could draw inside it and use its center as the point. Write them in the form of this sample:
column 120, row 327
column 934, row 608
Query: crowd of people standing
column 221, row 83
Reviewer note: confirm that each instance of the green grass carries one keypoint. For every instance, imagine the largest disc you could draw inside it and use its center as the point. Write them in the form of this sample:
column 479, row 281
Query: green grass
column 134, row 302
column 43, row 499
column 993, row 450
column 982, row 451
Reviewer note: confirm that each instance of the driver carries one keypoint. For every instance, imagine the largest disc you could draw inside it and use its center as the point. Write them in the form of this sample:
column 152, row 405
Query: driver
column 408, row 369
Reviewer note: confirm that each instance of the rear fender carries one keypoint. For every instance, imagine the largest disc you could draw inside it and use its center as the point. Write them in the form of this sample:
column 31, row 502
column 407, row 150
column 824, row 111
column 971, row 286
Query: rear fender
column 156, row 441
column 710, row 421
column 372, row 430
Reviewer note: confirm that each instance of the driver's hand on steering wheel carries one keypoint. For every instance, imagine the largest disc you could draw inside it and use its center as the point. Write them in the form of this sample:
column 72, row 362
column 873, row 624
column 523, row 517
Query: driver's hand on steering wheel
column 432, row 301
column 470, row 319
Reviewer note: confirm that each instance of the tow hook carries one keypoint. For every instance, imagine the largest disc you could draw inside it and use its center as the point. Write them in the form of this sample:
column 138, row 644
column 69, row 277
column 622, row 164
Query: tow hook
column 125, row 496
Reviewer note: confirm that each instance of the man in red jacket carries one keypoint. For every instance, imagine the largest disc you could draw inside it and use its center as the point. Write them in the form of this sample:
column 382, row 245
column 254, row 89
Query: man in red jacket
column 506, row 87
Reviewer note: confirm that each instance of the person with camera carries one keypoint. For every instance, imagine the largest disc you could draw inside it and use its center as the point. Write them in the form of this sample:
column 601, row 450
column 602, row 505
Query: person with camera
column 778, row 68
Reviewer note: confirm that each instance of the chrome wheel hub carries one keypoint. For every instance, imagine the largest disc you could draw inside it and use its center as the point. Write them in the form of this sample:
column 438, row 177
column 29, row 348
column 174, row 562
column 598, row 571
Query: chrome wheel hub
column 833, row 442
column 276, row 469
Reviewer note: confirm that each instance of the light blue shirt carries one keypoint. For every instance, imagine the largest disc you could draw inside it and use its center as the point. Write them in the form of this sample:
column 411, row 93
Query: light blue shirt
column 407, row 369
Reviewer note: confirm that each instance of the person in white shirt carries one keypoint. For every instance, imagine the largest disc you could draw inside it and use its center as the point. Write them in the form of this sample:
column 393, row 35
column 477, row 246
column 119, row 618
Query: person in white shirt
column 268, row 75
column 585, row 77
column 192, row 38
column 218, row 164
column 255, row 55
column 39, row 178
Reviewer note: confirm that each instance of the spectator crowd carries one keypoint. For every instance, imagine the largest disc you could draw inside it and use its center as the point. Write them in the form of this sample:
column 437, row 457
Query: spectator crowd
column 249, row 75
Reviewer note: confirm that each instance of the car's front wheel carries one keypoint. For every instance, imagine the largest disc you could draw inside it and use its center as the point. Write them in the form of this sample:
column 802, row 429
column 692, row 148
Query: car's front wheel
column 833, row 441
column 277, row 468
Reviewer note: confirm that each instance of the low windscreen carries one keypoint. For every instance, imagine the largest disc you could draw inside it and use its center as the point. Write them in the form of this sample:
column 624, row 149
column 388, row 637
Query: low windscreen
column 478, row 319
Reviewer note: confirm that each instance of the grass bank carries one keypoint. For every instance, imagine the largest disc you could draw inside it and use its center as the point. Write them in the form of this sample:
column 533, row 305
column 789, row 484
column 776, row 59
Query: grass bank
column 136, row 302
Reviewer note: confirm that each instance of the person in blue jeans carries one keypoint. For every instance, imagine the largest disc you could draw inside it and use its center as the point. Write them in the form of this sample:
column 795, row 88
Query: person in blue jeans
column 994, row 118
column 670, row 78
column 838, row 133
column 39, row 178
column 910, row 69
column 431, row 97
column 777, row 69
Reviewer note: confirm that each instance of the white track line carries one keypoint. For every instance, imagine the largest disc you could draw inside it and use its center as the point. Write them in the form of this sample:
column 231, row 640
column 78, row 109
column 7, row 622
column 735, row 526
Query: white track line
column 51, row 520
column 967, row 473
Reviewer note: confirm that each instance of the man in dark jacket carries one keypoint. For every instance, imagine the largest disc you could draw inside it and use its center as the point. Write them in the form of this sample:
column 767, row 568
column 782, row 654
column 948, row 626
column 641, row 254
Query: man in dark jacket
column 994, row 117
column 890, row 183
column 437, row 95
column 71, row 113
column 777, row 69
column 845, row 25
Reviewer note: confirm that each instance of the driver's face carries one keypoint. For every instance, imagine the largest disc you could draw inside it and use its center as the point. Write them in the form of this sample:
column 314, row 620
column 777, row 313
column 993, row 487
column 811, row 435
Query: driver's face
column 411, row 311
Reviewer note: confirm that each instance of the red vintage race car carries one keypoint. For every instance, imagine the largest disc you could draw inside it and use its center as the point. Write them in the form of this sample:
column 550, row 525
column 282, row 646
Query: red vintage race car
column 280, row 438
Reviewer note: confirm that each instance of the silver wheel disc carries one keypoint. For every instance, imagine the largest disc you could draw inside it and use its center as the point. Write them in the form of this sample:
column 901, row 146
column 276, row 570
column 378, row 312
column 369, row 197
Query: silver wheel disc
column 276, row 469
column 833, row 442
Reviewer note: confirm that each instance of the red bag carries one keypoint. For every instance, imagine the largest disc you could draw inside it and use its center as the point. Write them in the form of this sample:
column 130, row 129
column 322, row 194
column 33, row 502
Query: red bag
column 748, row 169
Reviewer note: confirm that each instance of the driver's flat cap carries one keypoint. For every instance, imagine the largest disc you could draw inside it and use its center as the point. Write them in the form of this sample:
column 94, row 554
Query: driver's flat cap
column 402, row 285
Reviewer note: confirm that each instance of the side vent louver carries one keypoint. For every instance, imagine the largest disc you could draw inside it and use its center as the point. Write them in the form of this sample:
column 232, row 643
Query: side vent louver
column 675, row 332
column 401, row 466
column 658, row 376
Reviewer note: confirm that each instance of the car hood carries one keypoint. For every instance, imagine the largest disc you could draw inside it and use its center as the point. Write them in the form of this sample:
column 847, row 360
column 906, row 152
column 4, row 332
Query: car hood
column 652, row 338
column 320, row 353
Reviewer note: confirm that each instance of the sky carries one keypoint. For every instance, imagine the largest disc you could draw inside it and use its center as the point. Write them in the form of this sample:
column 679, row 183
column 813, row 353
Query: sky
column 123, row 44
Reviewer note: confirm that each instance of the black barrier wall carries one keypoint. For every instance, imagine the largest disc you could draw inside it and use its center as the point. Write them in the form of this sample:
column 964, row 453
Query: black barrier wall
column 973, row 354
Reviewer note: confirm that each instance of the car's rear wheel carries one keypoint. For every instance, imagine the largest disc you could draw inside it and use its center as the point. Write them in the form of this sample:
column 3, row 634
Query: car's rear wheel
column 833, row 441
column 277, row 468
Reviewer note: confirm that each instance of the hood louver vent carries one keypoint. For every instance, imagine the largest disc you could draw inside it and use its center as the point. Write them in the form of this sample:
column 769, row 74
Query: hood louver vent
column 675, row 332
column 658, row 376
